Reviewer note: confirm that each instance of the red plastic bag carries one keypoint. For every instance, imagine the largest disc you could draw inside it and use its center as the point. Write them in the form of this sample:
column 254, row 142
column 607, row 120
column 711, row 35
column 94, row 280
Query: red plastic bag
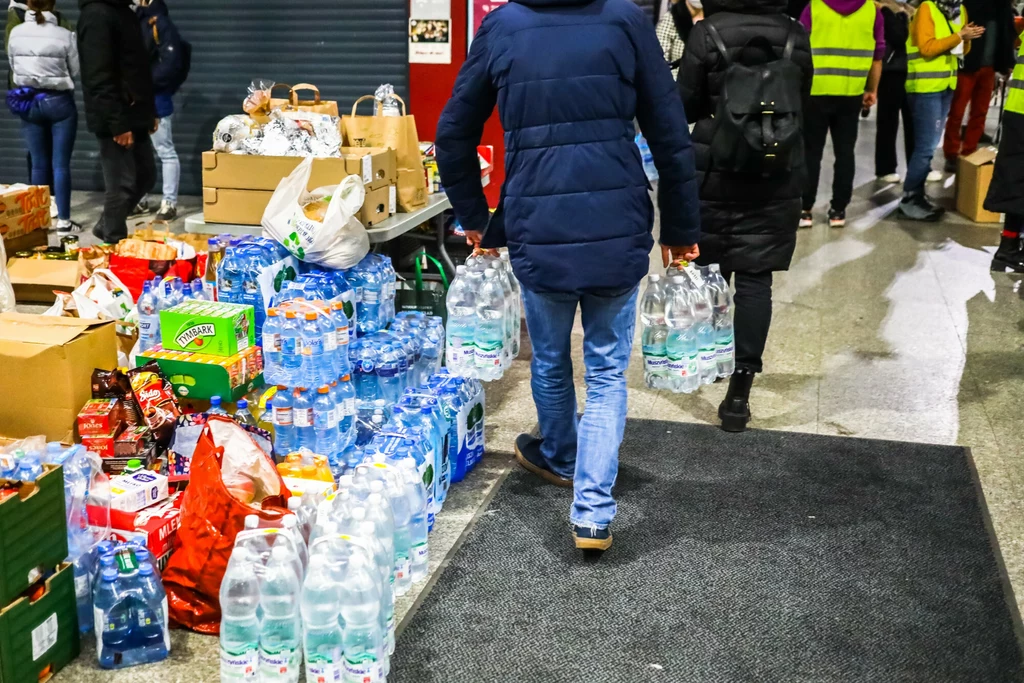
column 133, row 272
column 210, row 519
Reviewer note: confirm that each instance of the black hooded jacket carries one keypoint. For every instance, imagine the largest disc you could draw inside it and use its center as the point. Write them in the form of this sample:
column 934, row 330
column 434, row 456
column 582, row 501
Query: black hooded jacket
column 748, row 222
column 116, row 81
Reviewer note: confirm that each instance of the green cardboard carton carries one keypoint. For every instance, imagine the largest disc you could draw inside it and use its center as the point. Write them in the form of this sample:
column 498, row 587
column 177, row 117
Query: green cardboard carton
column 216, row 329
column 38, row 639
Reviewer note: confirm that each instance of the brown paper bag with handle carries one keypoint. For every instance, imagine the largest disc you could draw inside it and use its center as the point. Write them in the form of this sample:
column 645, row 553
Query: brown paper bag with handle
column 398, row 133
column 315, row 105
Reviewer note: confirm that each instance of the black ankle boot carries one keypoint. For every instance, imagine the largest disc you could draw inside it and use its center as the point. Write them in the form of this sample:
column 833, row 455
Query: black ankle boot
column 735, row 409
column 1009, row 255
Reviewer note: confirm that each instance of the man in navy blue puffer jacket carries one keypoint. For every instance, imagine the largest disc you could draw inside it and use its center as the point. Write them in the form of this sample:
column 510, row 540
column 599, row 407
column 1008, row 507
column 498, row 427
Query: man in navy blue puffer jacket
column 569, row 78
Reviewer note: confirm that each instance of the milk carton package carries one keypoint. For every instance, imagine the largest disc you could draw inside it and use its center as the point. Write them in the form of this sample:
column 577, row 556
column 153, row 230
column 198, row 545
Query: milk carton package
column 135, row 491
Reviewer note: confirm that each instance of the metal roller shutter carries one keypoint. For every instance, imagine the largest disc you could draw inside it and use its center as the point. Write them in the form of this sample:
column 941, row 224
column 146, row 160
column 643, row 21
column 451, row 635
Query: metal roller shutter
column 345, row 47
column 649, row 6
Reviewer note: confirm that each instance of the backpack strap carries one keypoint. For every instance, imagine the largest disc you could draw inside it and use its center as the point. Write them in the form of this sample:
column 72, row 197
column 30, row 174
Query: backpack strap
column 787, row 52
column 716, row 38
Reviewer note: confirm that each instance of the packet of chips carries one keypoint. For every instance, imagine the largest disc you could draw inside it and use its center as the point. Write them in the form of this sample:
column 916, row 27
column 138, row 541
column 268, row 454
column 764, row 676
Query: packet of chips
column 115, row 384
column 155, row 396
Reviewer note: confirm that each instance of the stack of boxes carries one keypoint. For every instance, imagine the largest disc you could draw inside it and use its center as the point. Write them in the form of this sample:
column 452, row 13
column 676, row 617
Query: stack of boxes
column 38, row 612
column 142, row 509
column 105, row 430
column 238, row 187
column 24, row 216
column 208, row 349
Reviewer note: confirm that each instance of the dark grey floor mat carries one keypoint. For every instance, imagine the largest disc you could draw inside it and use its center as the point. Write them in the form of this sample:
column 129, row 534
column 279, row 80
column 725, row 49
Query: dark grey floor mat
column 764, row 556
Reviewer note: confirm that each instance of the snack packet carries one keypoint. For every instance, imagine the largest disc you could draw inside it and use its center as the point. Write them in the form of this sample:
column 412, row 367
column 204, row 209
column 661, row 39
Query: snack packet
column 156, row 400
column 115, row 384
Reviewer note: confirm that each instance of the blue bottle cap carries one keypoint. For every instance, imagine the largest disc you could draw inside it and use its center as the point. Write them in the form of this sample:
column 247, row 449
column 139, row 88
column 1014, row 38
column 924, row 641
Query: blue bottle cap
column 142, row 555
column 145, row 569
column 213, row 242
column 242, row 404
column 109, row 575
column 147, row 287
column 214, row 401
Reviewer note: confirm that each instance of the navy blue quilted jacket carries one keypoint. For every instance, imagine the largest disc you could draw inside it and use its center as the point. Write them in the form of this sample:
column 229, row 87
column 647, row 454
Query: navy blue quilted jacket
column 569, row 77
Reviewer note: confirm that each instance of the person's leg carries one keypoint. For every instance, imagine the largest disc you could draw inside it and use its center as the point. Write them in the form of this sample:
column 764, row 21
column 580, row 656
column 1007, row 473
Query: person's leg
column 608, row 325
column 753, row 318
column 1010, row 253
column 890, row 96
column 844, row 125
column 144, row 167
column 984, row 84
column 965, row 84
column 549, row 320
column 928, row 124
column 118, row 166
column 65, row 128
column 36, row 132
column 907, row 113
column 163, row 143
column 815, row 132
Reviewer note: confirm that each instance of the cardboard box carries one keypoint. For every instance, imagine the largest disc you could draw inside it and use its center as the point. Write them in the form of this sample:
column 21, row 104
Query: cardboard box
column 200, row 376
column 378, row 206
column 133, row 492
column 47, row 371
column 23, row 209
column 973, row 176
column 36, row 238
column 33, row 532
column 155, row 525
column 100, row 416
column 100, row 444
column 39, row 637
column 215, row 329
column 246, row 172
column 34, row 280
column 238, row 207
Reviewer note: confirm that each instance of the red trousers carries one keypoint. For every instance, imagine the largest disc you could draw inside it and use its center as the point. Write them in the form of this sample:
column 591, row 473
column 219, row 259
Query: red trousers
column 975, row 89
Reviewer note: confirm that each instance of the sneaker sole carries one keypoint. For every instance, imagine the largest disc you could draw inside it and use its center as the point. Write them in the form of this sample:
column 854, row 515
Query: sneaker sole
column 837, row 224
column 1002, row 267
column 803, row 225
column 544, row 474
column 593, row 543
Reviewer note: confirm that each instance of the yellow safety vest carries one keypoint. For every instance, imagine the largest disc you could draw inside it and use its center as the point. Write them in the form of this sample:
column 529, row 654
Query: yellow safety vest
column 843, row 48
column 1015, row 94
column 939, row 73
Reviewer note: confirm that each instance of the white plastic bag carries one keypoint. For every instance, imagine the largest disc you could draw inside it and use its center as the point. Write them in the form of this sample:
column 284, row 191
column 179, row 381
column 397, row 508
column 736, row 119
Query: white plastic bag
column 339, row 241
column 6, row 291
column 102, row 297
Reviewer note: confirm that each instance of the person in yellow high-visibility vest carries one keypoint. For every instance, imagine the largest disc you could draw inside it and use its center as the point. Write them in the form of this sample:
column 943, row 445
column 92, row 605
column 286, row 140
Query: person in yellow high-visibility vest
column 1006, row 193
column 940, row 35
column 847, row 43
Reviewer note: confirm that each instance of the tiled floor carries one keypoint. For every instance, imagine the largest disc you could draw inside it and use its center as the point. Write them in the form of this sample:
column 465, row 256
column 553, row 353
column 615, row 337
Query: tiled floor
column 884, row 330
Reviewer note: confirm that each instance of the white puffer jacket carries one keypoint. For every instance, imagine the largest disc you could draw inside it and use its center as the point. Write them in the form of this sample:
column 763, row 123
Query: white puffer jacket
column 43, row 56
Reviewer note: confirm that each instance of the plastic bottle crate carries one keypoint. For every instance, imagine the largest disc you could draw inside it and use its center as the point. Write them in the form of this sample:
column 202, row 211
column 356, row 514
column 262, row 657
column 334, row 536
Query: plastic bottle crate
column 38, row 638
column 33, row 532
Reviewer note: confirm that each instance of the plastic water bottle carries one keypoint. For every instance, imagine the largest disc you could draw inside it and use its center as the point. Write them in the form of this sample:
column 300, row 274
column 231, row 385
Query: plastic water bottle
column 313, row 371
column 364, row 370
column 389, row 379
column 302, row 419
column 113, row 619
column 280, row 656
column 725, row 344
column 489, row 339
column 272, row 346
column 341, row 338
column 151, row 629
column 655, row 335
column 369, row 317
column 416, row 496
column 291, row 350
column 517, row 299
column 708, row 360
column 461, row 332
column 648, row 159
column 325, row 423
column 681, row 344
column 29, row 468
column 215, row 406
column 285, row 439
column 323, row 639
column 239, row 624
column 507, row 313
column 149, row 318
column 346, row 409
column 360, row 612
column 242, row 414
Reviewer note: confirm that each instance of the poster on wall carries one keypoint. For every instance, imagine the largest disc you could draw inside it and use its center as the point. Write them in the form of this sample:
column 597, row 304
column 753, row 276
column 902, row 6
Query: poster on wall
column 430, row 32
column 478, row 9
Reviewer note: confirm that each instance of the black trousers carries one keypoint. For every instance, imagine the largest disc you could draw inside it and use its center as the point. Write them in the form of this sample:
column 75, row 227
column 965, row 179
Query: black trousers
column 753, row 317
column 128, row 174
column 840, row 116
column 892, row 102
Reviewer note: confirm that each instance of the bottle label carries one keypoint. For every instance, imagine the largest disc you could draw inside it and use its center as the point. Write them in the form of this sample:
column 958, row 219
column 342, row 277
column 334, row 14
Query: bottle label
column 240, row 665
column 332, row 418
column 348, row 407
column 725, row 348
column 282, row 417
column 315, row 345
column 707, row 356
column 488, row 354
column 277, row 663
column 303, row 417
column 371, row 297
column 677, row 367
column 656, row 365
column 420, row 553
column 146, row 327
column 341, row 336
column 403, row 566
column 389, row 370
column 82, row 585
column 271, row 342
column 364, row 668
column 324, row 670
column 331, row 342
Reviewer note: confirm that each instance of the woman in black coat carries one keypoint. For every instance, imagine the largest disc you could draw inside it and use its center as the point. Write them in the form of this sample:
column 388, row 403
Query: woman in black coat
column 748, row 220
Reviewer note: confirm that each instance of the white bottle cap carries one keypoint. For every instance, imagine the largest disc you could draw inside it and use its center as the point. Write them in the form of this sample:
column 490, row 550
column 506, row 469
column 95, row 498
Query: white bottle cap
column 252, row 521
column 678, row 280
column 374, row 498
column 460, row 270
column 294, row 503
column 654, row 277
column 358, row 513
column 376, row 486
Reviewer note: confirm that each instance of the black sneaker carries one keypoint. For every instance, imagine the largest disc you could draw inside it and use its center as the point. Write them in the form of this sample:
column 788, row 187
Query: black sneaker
column 68, row 226
column 589, row 538
column 1005, row 259
column 918, row 208
column 806, row 219
column 529, row 456
column 168, row 212
column 836, row 219
column 141, row 209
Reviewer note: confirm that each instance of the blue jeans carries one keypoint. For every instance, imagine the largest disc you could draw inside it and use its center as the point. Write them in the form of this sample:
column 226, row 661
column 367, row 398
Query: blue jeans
column 163, row 143
column 608, row 323
column 929, row 112
column 49, row 129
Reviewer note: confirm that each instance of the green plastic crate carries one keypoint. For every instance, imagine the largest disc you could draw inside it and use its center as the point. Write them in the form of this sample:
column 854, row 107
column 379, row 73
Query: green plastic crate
column 38, row 639
column 33, row 533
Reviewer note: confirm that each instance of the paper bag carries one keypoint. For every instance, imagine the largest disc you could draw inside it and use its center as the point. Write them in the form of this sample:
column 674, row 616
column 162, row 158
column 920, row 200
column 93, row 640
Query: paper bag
column 316, row 105
column 398, row 133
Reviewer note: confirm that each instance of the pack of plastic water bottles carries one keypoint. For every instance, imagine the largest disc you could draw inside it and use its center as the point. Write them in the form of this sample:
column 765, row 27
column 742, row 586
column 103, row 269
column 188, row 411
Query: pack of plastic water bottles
column 247, row 270
column 322, row 586
column 484, row 318
column 687, row 318
column 158, row 295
